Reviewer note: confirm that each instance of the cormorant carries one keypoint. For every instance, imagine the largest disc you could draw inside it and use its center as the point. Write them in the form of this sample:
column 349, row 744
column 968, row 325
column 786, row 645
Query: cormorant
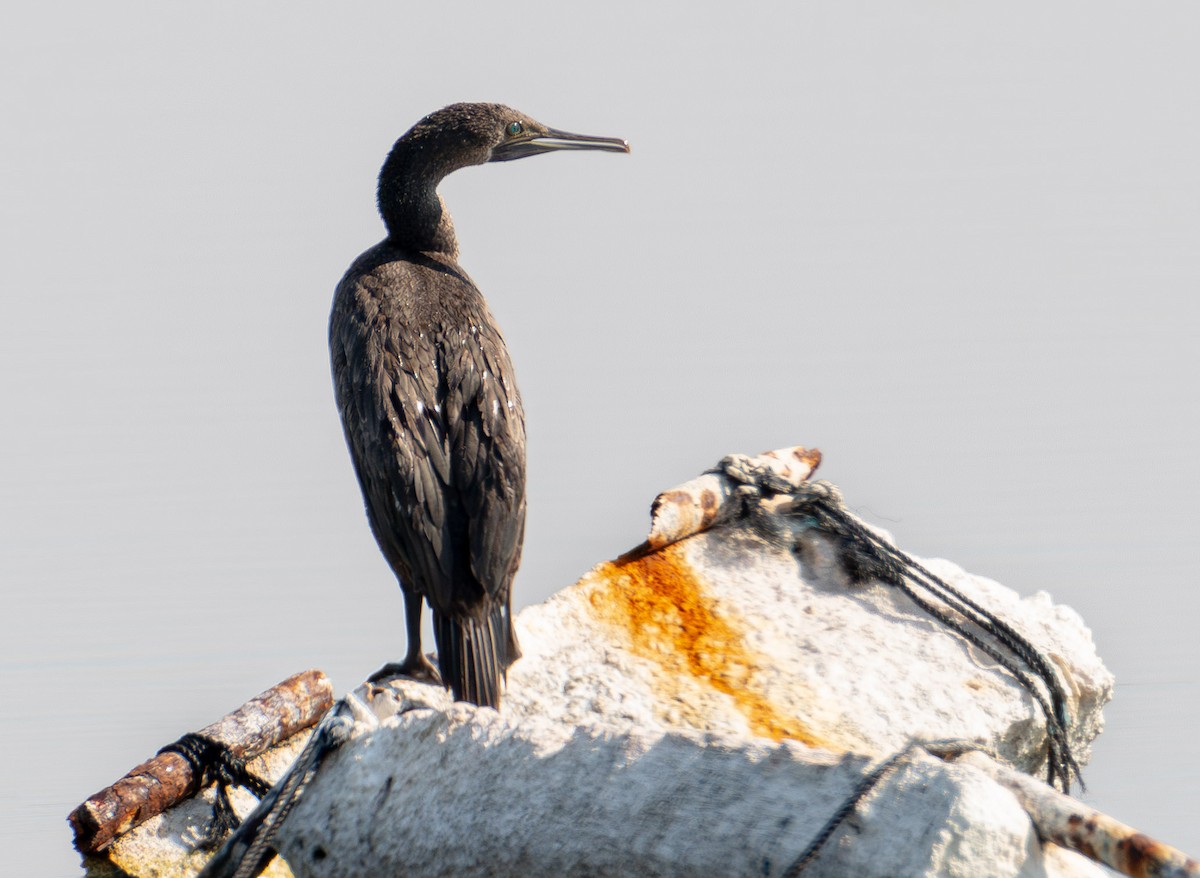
column 429, row 404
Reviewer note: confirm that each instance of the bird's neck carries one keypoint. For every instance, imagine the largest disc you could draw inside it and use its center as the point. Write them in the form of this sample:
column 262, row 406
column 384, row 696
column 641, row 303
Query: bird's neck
column 415, row 216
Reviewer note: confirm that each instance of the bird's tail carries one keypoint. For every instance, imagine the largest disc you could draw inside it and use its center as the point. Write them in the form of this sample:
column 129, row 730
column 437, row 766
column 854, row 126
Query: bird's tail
column 474, row 654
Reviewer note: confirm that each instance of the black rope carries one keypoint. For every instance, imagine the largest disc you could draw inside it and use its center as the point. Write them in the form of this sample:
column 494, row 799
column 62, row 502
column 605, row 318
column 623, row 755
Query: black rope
column 250, row 849
column 899, row 572
column 994, row 625
column 865, row 555
column 213, row 763
column 868, row 783
column 1059, row 763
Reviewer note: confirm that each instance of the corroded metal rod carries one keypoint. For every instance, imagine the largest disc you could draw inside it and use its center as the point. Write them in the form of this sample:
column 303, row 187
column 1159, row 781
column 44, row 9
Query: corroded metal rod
column 166, row 779
column 1071, row 824
column 697, row 505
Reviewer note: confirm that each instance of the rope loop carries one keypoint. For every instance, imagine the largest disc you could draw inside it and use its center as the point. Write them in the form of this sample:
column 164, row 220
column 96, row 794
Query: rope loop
column 213, row 763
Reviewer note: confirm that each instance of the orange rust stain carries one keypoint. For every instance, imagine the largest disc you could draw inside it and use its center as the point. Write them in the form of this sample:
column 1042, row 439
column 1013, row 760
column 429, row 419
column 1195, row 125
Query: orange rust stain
column 657, row 600
column 810, row 457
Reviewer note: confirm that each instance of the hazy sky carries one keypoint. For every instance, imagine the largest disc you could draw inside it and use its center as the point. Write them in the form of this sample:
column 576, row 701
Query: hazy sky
column 955, row 246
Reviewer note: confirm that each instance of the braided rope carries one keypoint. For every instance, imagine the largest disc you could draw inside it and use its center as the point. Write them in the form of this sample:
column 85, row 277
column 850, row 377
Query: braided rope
column 866, row 554
column 213, row 763
column 860, row 792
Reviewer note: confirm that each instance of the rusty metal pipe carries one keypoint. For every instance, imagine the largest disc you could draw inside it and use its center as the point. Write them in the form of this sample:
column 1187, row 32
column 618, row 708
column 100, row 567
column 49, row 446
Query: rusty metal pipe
column 697, row 505
column 1071, row 824
column 166, row 779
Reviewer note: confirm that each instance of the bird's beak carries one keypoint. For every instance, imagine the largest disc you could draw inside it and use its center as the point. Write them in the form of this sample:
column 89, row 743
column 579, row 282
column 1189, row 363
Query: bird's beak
column 551, row 140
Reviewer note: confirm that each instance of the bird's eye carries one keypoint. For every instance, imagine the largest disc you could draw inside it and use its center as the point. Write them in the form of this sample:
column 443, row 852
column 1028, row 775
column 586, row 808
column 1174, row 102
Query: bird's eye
column 514, row 128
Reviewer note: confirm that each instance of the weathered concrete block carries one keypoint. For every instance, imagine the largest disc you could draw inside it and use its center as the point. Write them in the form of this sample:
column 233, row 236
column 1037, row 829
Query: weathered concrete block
column 703, row 710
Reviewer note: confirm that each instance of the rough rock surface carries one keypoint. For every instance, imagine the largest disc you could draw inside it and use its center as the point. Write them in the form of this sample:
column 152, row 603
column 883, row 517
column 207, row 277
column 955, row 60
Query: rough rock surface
column 733, row 633
column 448, row 790
column 703, row 710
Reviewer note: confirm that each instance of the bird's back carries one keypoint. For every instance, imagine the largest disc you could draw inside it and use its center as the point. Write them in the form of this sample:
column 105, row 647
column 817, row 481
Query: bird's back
column 434, row 422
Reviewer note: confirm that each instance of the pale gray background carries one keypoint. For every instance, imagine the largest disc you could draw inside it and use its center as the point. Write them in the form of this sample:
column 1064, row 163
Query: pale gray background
column 952, row 245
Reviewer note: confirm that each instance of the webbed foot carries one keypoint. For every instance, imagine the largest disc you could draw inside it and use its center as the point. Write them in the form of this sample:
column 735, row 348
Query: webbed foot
column 418, row 668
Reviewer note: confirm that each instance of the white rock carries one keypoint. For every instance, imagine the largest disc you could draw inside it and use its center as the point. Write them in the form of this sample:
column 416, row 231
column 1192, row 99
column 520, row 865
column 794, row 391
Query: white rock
column 728, row 632
column 703, row 711
column 454, row 791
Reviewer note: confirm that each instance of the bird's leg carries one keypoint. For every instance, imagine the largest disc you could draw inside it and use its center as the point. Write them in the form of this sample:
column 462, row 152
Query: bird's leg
column 415, row 665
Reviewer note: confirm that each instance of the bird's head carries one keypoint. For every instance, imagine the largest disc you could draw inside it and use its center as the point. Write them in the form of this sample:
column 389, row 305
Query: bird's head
column 461, row 135
column 454, row 137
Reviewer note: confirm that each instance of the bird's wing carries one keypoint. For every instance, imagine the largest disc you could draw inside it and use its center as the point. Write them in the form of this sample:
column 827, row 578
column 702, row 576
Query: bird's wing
column 486, row 425
column 437, row 433
column 386, row 381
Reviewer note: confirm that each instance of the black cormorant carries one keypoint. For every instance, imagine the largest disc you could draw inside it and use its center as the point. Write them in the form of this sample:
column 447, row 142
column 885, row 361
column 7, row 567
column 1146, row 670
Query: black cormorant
column 429, row 404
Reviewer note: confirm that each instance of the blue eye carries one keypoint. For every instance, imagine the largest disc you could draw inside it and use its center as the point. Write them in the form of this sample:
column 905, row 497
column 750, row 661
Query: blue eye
column 514, row 128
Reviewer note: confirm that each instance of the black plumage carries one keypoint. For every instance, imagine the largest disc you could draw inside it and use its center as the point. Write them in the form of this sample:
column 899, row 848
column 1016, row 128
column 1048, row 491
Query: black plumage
column 429, row 403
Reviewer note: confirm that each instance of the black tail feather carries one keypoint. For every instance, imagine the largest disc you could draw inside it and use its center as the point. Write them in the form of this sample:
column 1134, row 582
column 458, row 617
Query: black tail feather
column 489, row 661
column 474, row 655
